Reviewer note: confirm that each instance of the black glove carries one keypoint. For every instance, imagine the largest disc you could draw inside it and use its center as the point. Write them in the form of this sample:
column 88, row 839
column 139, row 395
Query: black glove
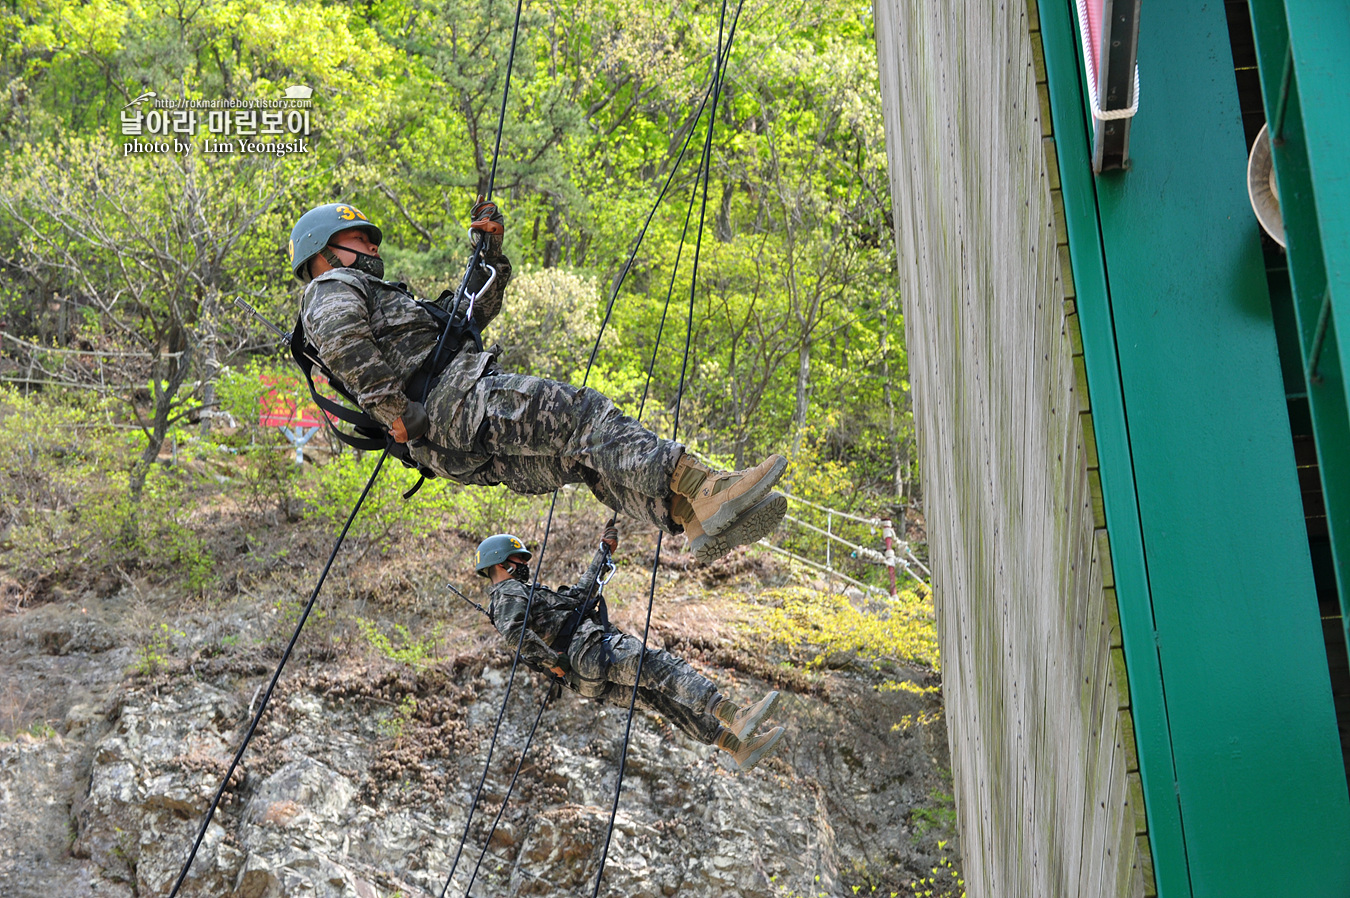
column 486, row 219
column 611, row 538
column 562, row 666
column 412, row 425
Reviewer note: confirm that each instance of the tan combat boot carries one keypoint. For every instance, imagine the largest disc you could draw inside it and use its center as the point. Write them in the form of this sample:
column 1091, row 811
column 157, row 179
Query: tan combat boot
column 718, row 498
column 750, row 752
column 743, row 721
column 752, row 526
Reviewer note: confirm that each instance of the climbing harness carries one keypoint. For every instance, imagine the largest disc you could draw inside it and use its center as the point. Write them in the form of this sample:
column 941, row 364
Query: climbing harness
column 591, row 605
column 456, row 332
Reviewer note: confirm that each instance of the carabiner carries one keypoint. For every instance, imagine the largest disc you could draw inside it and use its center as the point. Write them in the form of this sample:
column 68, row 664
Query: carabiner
column 606, row 575
column 473, row 297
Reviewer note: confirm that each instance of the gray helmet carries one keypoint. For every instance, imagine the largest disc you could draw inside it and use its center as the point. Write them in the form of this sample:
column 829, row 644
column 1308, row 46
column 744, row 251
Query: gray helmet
column 496, row 549
column 317, row 226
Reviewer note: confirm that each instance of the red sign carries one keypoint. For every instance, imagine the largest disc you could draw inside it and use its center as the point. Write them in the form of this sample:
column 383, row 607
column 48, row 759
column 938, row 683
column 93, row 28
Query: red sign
column 282, row 408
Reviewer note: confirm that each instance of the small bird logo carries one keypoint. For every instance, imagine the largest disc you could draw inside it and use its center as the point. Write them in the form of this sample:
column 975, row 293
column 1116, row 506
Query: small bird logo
column 148, row 95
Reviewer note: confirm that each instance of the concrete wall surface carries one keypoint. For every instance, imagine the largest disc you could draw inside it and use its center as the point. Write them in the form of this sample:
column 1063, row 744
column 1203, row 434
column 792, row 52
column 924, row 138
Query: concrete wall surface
column 1041, row 742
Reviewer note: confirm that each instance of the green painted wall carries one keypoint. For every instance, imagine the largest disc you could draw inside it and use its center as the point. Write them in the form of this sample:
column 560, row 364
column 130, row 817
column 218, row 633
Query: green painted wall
column 1258, row 772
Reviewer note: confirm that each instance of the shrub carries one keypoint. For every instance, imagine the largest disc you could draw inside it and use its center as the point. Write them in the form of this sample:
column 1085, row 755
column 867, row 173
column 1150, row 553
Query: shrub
column 814, row 625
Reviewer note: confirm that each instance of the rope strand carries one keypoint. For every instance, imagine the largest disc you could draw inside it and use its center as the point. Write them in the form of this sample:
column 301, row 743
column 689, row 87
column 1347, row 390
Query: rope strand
column 267, row 696
column 675, row 427
column 589, row 366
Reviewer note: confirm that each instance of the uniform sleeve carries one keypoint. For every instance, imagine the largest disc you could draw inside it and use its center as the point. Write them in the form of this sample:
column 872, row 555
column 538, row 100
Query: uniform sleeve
column 509, row 600
column 589, row 577
column 489, row 305
column 337, row 322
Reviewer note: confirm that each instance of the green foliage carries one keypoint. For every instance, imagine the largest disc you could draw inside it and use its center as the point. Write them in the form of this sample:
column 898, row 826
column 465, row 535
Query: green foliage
column 941, row 816
column 331, row 491
column 38, row 730
column 64, row 506
column 816, row 626
column 796, row 322
column 155, row 654
column 549, row 325
column 393, row 723
column 419, row 654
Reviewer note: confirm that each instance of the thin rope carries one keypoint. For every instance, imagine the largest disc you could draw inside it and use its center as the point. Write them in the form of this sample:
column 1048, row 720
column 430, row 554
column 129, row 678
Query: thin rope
column 706, row 168
column 501, row 713
column 487, row 840
column 506, row 92
column 714, row 89
column 267, row 696
column 627, row 266
column 1090, row 63
column 589, row 365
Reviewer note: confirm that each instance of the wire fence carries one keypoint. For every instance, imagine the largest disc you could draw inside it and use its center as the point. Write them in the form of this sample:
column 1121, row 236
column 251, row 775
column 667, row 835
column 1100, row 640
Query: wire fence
column 870, row 554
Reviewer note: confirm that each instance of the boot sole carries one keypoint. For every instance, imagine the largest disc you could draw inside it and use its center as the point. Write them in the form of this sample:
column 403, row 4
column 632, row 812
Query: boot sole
column 727, row 514
column 750, row 527
column 762, row 752
column 750, row 724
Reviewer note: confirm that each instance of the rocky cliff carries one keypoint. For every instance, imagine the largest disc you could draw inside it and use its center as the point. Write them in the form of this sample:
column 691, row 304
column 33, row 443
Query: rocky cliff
column 120, row 711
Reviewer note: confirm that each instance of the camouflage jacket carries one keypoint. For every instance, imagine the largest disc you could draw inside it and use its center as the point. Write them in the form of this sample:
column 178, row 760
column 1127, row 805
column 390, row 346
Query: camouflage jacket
column 549, row 612
column 373, row 335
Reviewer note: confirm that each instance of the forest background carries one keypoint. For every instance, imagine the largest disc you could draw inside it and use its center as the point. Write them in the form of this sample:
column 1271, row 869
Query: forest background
column 130, row 371
column 143, row 502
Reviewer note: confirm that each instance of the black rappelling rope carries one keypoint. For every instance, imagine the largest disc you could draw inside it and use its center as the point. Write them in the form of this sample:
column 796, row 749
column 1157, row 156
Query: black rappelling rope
column 285, row 656
column 706, row 167
column 501, row 713
column 309, row 606
column 589, row 365
column 506, row 92
column 632, row 256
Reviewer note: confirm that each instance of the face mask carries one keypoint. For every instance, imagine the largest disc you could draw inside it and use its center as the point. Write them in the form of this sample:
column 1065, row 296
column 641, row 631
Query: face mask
column 521, row 572
column 371, row 265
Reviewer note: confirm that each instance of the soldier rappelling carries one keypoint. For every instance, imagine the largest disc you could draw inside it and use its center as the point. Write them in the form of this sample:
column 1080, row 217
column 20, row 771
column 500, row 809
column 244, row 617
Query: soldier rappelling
column 453, row 413
column 566, row 632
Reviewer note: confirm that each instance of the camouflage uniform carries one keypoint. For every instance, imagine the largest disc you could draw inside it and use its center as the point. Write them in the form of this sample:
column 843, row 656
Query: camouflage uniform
column 487, row 427
column 602, row 657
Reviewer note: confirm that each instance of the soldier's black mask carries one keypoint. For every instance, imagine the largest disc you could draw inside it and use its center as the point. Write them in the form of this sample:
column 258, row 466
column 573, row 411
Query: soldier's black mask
column 521, row 572
column 371, row 265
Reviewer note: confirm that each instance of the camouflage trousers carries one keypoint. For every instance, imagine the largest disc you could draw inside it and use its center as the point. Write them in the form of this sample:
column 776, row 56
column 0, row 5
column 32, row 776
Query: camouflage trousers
column 669, row 686
column 535, row 435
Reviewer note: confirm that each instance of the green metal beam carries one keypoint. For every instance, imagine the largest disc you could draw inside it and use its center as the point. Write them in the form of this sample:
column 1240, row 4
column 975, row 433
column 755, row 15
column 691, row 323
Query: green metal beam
column 1301, row 48
column 1148, row 710
column 1228, row 674
column 1244, row 668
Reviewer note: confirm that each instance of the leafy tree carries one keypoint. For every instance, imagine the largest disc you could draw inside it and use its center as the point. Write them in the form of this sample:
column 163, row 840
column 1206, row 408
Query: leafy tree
column 797, row 342
column 147, row 249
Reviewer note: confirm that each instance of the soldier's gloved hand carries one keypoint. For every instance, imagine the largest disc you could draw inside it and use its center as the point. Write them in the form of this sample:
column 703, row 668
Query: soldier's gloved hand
column 611, row 538
column 562, row 666
column 413, row 424
column 486, row 220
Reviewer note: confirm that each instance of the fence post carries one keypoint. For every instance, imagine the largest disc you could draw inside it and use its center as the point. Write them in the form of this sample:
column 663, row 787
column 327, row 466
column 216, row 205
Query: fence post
column 888, row 532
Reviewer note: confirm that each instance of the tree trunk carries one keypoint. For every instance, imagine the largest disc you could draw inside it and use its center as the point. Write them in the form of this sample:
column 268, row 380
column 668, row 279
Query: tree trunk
column 803, row 393
column 163, row 394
